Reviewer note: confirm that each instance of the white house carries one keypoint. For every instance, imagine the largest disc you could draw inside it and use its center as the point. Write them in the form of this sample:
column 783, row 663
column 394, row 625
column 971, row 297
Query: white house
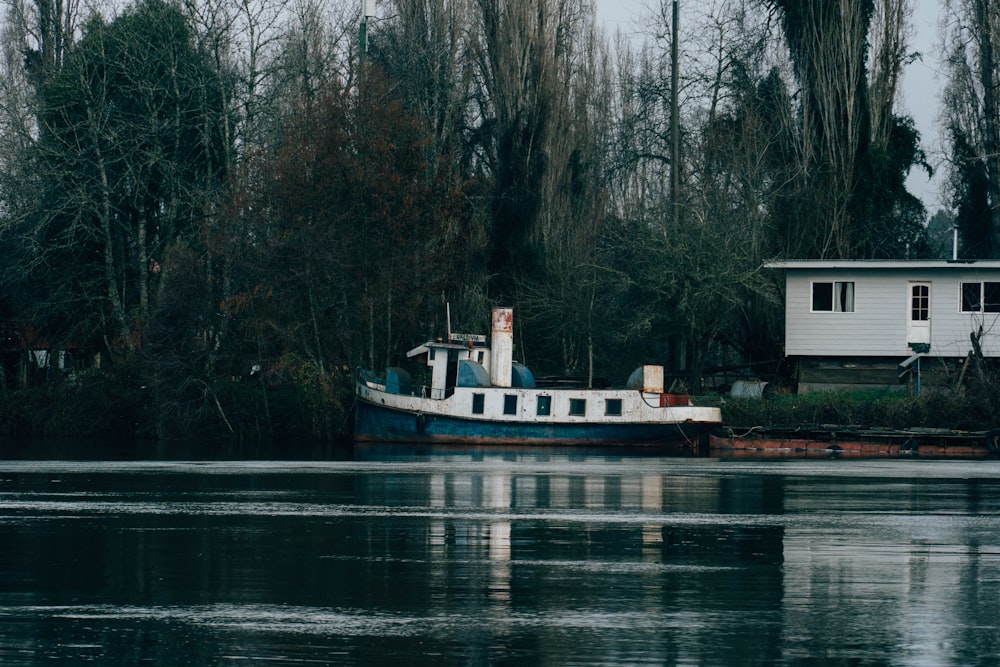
column 873, row 317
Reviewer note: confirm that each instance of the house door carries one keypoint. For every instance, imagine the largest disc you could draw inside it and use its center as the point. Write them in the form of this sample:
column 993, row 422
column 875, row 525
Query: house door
column 918, row 329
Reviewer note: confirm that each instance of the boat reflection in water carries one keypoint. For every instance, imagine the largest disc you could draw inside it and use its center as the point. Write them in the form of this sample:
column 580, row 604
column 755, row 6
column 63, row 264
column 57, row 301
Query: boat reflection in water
column 482, row 557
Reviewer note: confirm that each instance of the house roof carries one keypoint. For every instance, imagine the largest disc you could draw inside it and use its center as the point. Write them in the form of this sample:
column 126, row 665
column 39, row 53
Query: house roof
column 873, row 264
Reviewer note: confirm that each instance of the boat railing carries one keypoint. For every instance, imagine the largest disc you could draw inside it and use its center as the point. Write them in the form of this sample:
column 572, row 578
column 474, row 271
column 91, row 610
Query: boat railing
column 678, row 400
column 707, row 401
column 370, row 378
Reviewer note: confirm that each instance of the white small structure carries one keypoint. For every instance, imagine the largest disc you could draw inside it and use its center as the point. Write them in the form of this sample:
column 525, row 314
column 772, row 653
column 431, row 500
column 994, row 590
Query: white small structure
column 890, row 310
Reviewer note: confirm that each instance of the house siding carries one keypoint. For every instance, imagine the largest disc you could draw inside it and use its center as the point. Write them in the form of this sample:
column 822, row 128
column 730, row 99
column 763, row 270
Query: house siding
column 878, row 325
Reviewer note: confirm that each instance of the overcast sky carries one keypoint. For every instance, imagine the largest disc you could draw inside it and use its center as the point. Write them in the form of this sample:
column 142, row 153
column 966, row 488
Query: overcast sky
column 921, row 82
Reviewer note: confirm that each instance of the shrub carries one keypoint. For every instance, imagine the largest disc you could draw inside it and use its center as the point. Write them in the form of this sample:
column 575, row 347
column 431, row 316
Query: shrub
column 961, row 409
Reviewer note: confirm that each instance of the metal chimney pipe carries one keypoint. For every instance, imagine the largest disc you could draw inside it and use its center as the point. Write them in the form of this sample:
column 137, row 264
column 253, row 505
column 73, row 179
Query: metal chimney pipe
column 502, row 347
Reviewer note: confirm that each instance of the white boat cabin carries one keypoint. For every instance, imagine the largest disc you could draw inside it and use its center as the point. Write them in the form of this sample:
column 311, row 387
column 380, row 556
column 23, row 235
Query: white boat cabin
column 466, row 360
column 463, row 360
column 864, row 313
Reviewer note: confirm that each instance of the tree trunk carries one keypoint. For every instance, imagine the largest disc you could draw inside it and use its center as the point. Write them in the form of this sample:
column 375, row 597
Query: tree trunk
column 107, row 237
column 986, row 22
column 314, row 319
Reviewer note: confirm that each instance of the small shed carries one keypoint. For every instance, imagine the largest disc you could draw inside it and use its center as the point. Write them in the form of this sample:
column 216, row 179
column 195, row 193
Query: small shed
column 860, row 323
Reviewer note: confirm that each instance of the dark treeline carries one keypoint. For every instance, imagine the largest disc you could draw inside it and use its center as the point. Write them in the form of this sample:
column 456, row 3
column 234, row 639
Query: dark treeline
column 211, row 212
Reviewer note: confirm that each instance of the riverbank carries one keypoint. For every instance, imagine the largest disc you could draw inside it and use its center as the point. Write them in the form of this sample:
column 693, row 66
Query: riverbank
column 884, row 424
column 952, row 409
column 247, row 412
column 118, row 404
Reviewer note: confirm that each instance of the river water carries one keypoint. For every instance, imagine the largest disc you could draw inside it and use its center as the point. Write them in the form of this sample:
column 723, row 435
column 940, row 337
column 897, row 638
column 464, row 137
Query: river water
column 499, row 558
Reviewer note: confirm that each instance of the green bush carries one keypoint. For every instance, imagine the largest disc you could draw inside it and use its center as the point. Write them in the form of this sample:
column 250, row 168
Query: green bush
column 91, row 404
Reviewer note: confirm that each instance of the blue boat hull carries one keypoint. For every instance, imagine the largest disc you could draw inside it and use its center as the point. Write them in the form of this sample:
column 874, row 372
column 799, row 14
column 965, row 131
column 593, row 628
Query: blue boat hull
column 374, row 423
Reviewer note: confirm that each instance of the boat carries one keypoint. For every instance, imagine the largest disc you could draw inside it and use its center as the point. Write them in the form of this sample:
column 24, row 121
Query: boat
column 478, row 395
column 845, row 441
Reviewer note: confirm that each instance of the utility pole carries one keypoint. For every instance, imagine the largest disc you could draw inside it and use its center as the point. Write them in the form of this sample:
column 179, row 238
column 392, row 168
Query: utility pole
column 675, row 156
column 367, row 12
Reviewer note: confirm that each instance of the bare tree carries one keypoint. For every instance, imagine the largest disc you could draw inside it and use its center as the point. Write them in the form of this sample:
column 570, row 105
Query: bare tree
column 129, row 150
column 855, row 149
column 425, row 46
column 48, row 28
column 698, row 278
column 889, row 38
column 828, row 42
column 36, row 35
column 972, row 117
column 542, row 117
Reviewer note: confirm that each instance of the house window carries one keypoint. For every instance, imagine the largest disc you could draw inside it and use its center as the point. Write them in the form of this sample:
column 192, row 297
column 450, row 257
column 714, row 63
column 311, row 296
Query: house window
column 510, row 404
column 578, row 407
column 971, row 297
column 544, row 407
column 981, row 297
column 478, row 400
column 613, row 407
column 833, row 297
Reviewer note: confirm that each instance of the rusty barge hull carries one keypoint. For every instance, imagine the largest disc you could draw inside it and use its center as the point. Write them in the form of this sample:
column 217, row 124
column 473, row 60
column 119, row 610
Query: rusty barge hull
column 853, row 443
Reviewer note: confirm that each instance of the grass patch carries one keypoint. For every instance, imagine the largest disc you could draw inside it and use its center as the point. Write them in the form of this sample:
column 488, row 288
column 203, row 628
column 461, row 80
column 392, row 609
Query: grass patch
column 961, row 409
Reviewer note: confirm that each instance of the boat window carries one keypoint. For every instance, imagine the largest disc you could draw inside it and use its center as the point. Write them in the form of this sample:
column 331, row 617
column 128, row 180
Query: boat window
column 478, row 401
column 544, row 408
column 613, row 407
column 578, row 406
column 510, row 404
